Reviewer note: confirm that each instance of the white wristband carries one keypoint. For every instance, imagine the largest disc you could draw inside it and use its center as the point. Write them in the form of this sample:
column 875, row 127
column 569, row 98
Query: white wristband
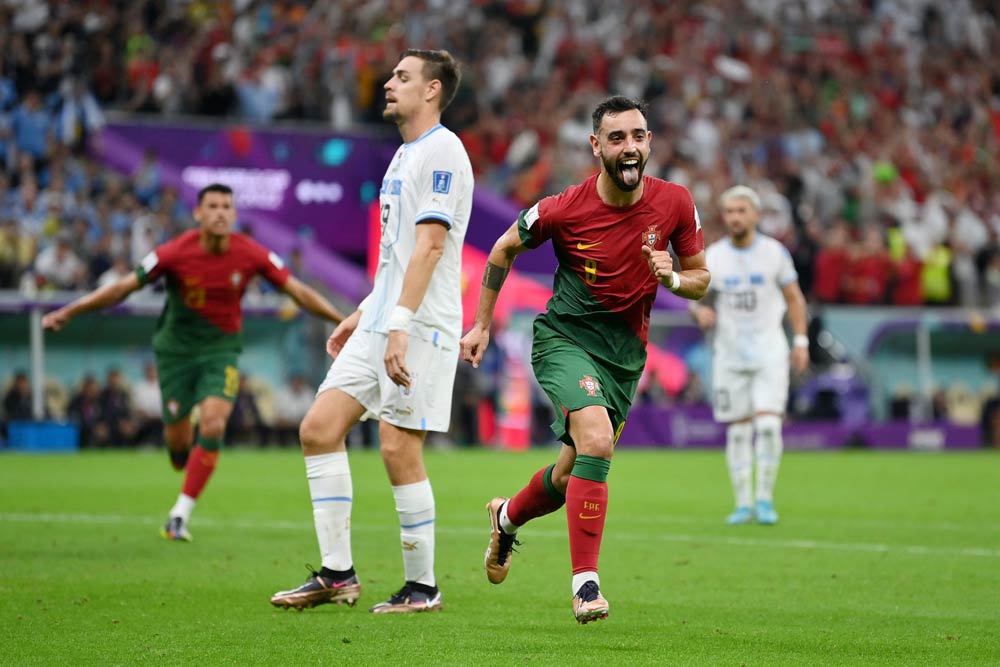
column 675, row 282
column 400, row 318
column 800, row 340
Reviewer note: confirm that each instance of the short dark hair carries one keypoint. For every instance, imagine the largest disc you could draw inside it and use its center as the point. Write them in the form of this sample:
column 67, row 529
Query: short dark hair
column 214, row 187
column 442, row 66
column 616, row 104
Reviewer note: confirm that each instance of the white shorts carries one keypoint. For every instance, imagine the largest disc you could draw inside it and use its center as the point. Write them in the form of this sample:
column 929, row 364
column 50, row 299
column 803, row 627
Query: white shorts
column 739, row 394
column 359, row 371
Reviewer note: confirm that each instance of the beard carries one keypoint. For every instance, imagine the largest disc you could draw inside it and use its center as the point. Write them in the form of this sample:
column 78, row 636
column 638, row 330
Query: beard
column 616, row 175
column 739, row 233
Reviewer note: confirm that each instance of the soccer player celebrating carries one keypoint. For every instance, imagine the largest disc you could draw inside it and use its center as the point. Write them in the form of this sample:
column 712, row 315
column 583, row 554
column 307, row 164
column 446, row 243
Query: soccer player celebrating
column 754, row 282
column 610, row 235
column 398, row 352
column 198, row 337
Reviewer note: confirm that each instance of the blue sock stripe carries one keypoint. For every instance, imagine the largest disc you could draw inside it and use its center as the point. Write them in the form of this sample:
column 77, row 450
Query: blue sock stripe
column 344, row 499
column 416, row 525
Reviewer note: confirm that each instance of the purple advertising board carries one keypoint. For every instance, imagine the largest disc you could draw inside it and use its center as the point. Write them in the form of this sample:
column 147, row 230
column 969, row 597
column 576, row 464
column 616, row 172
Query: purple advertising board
column 316, row 183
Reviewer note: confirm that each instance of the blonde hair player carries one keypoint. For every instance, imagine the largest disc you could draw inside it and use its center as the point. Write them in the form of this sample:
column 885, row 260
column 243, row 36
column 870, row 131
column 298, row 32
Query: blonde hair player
column 753, row 284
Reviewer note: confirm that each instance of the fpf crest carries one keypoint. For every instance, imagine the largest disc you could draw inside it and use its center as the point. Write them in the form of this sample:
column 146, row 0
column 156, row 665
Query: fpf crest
column 589, row 385
column 651, row 236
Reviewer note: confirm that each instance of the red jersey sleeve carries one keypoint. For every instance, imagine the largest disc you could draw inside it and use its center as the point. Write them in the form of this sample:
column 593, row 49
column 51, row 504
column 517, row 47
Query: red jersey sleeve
column 269, row 265
column 536, row 225
column 687, row 238
column 157, row 262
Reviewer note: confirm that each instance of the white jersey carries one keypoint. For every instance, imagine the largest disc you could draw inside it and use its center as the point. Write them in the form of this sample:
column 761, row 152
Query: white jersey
column 428, row 179
column 750, row 306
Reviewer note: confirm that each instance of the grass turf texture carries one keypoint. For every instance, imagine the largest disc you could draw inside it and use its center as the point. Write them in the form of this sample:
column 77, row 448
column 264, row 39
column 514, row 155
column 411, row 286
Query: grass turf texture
column 879, row 559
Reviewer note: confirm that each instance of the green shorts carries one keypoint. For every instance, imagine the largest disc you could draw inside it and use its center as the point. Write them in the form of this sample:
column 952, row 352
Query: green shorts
column 186, row 380
column 573, row 380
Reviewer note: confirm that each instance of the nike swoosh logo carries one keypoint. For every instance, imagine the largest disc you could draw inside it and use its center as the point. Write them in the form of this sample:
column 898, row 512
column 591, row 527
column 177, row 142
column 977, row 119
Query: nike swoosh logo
column 584, row 516
column 587, row 246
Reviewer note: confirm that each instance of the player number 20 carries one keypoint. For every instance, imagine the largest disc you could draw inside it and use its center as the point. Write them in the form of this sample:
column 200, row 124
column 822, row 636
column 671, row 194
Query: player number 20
column 590, row 270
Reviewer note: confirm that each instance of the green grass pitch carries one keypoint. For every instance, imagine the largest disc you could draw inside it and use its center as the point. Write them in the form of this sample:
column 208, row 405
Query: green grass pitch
column 879, row 559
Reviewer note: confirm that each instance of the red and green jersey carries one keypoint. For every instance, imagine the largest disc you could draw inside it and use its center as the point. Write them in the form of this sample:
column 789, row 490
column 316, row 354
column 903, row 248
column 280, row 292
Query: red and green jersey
column 603, row 290
column 204, row 290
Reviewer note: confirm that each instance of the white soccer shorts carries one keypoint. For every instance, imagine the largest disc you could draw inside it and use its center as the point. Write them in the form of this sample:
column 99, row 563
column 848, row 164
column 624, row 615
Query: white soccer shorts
column 359, row 371
column 739, row 394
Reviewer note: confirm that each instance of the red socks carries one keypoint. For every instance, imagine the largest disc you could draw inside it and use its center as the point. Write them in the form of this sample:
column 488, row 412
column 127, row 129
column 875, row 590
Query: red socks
column 200, row 467
column 586, row 505
column 586, row 501
column 536, row 499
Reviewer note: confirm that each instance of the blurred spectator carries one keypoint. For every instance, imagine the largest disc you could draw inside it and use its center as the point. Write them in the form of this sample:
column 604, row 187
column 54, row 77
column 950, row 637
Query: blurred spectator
column 990, row 421
column 119, row 269
column 17, row 401
column 31, row 125
column 906, row 287
column 146, row 179
column 78, row 115
column 148, row 405
column 58, row 267
column 291, row 403
column 17, row 250
column 85, row 411
column 116, row 410
column 936, row 280
column 831, row 264
column 245, row 425
column 866, row 276
column 468, row 394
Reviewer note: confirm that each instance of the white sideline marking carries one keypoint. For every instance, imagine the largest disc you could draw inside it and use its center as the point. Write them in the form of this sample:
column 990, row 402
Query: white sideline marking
column 808, row 545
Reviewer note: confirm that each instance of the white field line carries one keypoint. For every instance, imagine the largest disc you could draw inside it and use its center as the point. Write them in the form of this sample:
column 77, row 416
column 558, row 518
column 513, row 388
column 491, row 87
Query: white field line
column 658, row 536
column 943, row 526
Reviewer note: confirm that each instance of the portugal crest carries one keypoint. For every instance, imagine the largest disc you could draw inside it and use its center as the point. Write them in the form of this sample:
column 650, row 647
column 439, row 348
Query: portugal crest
column 589, row 385
column 236, row 278
column 651, row 236
column 173, row 407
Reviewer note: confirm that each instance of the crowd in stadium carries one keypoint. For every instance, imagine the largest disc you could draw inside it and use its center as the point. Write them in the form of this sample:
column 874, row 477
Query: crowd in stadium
column 870, row 128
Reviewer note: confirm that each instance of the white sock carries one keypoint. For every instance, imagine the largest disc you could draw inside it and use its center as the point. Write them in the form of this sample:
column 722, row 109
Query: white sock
column 506, row 524
column 739, row 458
column 582, row 578
column 768, row 446
column 183, row 507
column 415, row 506
column 332, row 495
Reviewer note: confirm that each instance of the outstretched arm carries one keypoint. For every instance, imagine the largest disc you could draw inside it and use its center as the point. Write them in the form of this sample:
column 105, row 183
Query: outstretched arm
column 311, row 300
column 102, row 297
column 498, row 265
